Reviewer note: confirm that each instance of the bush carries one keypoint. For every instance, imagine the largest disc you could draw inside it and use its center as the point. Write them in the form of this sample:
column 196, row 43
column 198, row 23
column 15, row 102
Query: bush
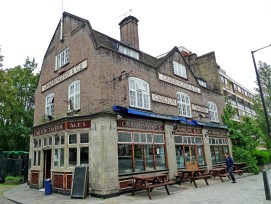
column 241, row 155
column 262, row 157
column 13, row 179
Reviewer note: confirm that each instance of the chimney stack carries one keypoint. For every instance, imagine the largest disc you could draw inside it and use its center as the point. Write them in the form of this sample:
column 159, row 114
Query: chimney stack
column 129, row 31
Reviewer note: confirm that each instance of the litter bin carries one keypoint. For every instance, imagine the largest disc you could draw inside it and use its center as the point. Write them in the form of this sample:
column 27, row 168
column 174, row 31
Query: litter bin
column 48, row 186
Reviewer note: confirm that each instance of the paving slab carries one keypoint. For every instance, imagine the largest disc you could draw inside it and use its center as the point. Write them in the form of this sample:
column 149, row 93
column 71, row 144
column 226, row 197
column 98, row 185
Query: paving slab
column 249, row 189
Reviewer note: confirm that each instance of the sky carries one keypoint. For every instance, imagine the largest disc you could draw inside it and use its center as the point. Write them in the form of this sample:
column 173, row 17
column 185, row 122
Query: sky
column 230, row 28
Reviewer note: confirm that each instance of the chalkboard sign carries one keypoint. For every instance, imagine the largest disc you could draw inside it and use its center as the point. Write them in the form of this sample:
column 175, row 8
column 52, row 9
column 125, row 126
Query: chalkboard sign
column 80, row 182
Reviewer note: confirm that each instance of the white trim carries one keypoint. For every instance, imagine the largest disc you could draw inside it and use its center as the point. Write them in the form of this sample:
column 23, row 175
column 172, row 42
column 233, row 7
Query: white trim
column 184, row 105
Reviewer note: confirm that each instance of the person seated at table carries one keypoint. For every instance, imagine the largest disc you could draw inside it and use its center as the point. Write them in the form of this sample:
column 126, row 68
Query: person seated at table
column 229, row 164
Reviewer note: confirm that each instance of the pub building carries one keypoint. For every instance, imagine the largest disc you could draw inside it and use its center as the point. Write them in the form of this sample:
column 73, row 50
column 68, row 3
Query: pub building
column 105, row 104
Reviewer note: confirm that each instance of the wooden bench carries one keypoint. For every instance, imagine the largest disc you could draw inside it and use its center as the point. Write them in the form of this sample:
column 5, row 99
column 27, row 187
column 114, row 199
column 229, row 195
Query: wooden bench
column 150, row 181
column 192, row 175
column 220, row 172
column 238, row 171
column 245, row 168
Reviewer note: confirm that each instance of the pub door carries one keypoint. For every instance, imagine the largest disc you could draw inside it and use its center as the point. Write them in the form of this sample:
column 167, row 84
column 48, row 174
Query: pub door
column 47, row 164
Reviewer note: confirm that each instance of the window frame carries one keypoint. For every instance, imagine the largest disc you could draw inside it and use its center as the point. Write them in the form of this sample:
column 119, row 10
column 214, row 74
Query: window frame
column 179, row 70
column 181, row 105
column 213, row 112
column 136, row 88
column 75, row 96
column 62, row 59
column 50, row 105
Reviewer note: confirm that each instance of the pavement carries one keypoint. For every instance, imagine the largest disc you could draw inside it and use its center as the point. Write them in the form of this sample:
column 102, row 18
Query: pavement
column 249, row 189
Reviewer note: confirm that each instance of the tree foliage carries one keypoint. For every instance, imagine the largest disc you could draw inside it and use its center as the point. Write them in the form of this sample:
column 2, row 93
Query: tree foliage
column 245, row 134
column 265, row 80
column 17, row 90
column 1, row 59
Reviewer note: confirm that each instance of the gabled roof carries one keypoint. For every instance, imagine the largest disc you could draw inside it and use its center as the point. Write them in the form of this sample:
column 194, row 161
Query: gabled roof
column 101, row 40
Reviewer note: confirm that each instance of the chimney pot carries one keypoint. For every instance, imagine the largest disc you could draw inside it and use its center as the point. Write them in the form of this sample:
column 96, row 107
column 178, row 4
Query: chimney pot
column 129, row 31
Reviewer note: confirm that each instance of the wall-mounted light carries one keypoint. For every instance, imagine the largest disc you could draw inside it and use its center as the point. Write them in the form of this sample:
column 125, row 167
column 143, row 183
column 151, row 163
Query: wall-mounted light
column 206, row 135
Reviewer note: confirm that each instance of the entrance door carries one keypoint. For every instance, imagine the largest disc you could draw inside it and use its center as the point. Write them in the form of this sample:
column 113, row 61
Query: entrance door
column 47, row 163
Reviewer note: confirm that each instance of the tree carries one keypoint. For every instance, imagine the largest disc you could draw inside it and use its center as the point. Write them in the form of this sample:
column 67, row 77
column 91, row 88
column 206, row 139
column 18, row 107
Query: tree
column 1, row 59
column 265, row 80
column 245, row 136
column 17, row 105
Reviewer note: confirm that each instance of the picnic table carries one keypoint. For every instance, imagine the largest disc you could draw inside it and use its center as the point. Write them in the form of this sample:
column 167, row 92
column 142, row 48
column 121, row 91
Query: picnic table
column 150, row 181
column 220, row 172
column 237, row 168
column 193, row 175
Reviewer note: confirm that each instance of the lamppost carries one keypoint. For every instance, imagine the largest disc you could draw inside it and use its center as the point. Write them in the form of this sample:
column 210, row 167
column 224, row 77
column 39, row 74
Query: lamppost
column 260, row 89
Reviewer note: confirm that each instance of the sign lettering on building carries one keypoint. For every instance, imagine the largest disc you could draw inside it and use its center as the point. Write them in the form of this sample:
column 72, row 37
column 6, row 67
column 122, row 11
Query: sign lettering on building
column 216, row 133
column 64, row 76
column 78, row 124
column 186, row 130
column 178, row 83
column 140, row 125
column 200, row 108
column 46, row 130
column 164, row 99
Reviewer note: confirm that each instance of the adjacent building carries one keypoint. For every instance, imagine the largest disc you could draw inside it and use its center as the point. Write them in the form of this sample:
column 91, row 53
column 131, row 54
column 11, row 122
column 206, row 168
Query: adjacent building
column 104, row 103
column 240, row 98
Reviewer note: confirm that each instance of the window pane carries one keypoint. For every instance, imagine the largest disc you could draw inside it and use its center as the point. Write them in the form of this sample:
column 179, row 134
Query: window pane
column 149, row 138
column 125, row 158
column 84, row 155
column 84, row 138
column 160, row 160
column 139, row 161
column 136, row 137
column 149, row 157
column 73, row 139
column 178, row 139
column 62, row 140
column 200, row 155
column 35, row 158
column 72, row 156
column 213, row 153
column 38, row 158
column 143, row 138
column 158, row 139
column 179, row 156
column 56, row 158
column 124, row 137
column 56, row 140
column 61, row 157
column 217, row 156
column 50, row 140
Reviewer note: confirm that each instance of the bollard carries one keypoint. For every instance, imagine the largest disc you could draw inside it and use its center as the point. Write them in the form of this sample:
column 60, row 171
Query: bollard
column 266, row 185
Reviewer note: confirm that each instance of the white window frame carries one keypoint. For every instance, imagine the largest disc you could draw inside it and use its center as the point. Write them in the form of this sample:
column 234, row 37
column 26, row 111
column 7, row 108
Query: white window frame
column 129, row 52
column 184, row 105
column 213, row 112
column 139, row 93
column 202, row 83
column 74, row 97
column 179, row 70
column 49, row 104
column 62, row 59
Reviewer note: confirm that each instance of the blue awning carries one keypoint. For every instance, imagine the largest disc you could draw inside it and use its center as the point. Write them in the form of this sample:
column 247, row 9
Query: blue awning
column 132, row 111
column 212, row 125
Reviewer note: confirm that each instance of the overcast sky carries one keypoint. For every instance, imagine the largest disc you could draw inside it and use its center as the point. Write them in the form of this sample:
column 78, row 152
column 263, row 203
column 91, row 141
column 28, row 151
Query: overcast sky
column 230, row 28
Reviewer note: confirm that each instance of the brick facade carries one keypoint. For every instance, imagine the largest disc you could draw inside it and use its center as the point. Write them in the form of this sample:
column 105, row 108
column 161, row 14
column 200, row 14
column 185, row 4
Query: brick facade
column 104, row 84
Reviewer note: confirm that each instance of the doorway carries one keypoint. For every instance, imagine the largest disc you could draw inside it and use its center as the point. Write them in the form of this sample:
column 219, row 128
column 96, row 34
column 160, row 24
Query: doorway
column 47, row 164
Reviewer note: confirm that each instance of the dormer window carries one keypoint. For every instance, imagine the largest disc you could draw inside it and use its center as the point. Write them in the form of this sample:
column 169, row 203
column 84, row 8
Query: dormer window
column 62, row 59
column 202, row 83
column 179, row 70
column 128, row 52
